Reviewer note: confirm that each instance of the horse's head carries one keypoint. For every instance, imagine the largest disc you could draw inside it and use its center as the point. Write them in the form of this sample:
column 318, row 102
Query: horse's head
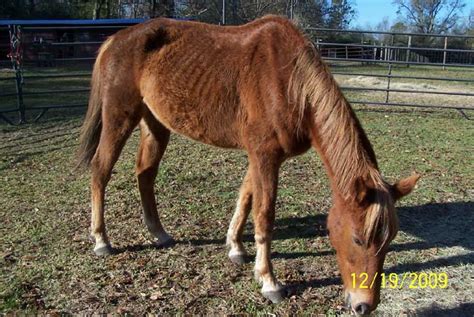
column 360, row 231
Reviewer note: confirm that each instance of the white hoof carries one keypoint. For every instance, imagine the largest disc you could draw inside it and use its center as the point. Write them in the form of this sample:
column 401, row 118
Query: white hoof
column 103, row 249
column 274, row 291
column 237, row 256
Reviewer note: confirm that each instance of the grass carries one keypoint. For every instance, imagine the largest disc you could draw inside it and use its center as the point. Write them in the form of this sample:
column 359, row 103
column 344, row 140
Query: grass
column 48, row 264
column 46, row 259
column 35, row 85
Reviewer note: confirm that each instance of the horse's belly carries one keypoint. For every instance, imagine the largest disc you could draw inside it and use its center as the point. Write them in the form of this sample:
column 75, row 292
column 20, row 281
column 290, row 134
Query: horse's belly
column 208, row 124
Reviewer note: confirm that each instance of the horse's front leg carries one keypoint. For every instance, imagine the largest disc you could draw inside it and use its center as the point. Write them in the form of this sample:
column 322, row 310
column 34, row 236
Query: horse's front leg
column 265, row 181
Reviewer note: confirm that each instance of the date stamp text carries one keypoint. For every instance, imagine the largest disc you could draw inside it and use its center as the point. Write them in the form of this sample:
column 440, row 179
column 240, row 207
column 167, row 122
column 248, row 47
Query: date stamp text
column 410, row 280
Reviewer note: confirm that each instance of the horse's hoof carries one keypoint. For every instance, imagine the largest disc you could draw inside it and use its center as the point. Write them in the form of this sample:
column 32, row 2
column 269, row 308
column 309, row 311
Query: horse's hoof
column 275, row 296
column 165, row 244
column 238, row 259
column 104, row 250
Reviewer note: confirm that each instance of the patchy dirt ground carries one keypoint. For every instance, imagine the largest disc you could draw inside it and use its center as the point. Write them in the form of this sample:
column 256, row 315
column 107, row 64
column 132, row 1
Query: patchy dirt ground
column 47, row 263
column 430, row 86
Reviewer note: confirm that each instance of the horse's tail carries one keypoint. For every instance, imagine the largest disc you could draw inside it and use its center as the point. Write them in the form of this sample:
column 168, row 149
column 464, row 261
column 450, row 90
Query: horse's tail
column 92, row 126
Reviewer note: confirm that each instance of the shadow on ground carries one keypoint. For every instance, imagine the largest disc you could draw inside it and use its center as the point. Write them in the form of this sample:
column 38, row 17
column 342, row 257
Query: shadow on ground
column 438, row 225
column 465, row 309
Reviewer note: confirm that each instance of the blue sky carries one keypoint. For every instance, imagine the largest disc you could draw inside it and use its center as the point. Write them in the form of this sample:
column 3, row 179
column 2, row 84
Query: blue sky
column 373, row 11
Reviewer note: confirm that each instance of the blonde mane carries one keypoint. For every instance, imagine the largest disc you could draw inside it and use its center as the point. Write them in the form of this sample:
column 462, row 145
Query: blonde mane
column 342, row 140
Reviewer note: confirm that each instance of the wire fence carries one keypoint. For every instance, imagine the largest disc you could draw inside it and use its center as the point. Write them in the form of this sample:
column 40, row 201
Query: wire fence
column 49, row 66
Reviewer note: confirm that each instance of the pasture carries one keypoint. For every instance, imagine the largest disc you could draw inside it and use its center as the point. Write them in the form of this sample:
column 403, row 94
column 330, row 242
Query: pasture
column 47, row 263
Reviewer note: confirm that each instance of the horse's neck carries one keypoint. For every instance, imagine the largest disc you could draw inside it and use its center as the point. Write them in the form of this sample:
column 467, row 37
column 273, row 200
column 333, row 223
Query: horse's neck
column 337, row 134
column 341, row 142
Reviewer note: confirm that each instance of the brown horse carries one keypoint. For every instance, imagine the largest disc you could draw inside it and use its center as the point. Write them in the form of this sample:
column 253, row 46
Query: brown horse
column 259, row 87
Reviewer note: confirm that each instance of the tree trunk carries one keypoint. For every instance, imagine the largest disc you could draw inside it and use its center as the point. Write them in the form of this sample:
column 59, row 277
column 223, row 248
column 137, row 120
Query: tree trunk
column 235, row 6
column 96, row 11
column 169, row 8
column 107, row 9
column 31, row 7
column 153, row 9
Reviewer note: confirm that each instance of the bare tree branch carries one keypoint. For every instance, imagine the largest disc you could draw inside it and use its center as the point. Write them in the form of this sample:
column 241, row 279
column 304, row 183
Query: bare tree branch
column 429, row 16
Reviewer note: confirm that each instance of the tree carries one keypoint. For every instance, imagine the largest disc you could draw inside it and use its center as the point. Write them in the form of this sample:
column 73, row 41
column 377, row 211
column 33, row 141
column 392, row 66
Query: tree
column 97, row 8
column 471, row 20
column 310, row 13
column 340, row 14
column 430, row 16
column 31, row 9
column 12, row 9
column 251, row 9
column 383, row 26
column 336, row 14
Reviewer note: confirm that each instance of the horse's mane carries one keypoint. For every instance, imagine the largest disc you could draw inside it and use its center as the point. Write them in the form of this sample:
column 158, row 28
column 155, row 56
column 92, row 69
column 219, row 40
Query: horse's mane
column 342, row 140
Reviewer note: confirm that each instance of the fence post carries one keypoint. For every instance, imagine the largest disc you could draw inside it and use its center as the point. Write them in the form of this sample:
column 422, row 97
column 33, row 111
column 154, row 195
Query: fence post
column 16, row 56
column 392, row 42
column 445, row 53
column 408, row 51
column 390, row 58
column 389, row 77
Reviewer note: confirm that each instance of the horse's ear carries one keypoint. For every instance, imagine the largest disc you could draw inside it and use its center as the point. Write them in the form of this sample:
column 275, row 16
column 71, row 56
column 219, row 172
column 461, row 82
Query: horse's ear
column 405, row 186
column 364, row 191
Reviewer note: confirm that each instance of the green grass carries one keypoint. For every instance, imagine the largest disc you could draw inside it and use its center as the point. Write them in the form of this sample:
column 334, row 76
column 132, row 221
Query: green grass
column 46, row 259
column 47, row 264
column 41, row 84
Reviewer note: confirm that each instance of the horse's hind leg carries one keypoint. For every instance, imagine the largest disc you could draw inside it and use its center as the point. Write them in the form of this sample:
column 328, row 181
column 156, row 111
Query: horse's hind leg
column 236, row 228
column 117, row 125
column 154, row 138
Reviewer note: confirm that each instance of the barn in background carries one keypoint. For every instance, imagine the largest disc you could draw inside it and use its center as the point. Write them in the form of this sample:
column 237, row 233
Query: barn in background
column 48, row 42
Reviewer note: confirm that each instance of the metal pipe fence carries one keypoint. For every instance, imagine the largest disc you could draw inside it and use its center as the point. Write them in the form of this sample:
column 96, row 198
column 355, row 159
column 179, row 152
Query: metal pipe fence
column 374, row 68
column 403, row 65
column 50, row 60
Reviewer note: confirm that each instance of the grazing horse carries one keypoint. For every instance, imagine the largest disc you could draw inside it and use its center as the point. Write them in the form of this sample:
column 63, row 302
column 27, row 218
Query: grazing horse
column 260, row 87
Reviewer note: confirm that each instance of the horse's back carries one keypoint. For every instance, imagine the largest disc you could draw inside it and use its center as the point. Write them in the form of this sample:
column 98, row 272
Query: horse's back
column 212, row 83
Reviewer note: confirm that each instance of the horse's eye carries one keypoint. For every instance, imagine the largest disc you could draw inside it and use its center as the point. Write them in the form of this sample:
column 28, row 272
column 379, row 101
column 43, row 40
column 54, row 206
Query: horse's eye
column 357, row 241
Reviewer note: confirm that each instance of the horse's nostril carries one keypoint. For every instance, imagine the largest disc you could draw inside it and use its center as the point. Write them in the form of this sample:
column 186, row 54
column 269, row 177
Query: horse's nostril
column 362, row 309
